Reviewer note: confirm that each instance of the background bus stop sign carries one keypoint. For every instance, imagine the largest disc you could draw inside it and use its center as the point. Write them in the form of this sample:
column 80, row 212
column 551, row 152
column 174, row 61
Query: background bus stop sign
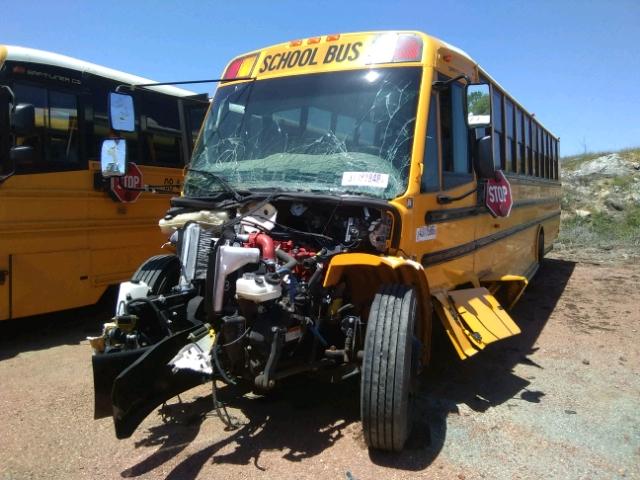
column 127, row 189
column 498, row 197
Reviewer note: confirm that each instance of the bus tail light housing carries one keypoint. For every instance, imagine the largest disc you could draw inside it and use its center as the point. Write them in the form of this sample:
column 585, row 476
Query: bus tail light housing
column 395, row 48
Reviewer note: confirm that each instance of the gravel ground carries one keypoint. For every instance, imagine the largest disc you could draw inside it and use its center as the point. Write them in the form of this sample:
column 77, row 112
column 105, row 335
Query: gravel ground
column 561, row 400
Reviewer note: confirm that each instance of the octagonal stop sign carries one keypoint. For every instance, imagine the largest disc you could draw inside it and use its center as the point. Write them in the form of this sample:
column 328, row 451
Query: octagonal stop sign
column 498, row 197
column 128, row 188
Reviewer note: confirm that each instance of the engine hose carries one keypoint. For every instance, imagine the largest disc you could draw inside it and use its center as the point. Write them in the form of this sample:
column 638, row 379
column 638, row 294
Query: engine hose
column 290, row 262
column 164, row 321
column 221, row 409
column 315, row 278
column 216, row 362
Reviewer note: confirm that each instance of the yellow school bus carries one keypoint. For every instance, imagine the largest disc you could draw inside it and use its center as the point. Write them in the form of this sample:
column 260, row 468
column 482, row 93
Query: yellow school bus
column 66, row 233
column 345, row 192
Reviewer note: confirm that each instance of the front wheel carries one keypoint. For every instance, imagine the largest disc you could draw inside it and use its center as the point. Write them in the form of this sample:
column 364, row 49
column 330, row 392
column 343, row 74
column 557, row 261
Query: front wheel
column 389, row 368
column 161, row 273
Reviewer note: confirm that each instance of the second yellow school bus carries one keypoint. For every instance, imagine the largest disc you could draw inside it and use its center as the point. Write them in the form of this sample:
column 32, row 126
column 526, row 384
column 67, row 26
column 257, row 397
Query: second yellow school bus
column 65, row 236
column 345, row 192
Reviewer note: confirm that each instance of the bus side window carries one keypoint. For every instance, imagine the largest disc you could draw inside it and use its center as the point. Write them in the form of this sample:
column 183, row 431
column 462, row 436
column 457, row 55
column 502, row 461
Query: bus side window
column 63, row 129
column 160, row 131
column 431, row 176
column 454, row 139
column 55, row 140
column 37, row 97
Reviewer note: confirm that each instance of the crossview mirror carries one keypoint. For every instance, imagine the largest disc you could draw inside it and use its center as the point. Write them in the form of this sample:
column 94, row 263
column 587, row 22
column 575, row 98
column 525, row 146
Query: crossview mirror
column 121, row 112
column 23, row 119
column 21, row 154
column 478, row 105
column 113, row 157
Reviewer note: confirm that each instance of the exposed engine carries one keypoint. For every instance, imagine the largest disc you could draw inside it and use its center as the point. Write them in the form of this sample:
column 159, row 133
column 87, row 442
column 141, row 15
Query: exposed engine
column 253, row 275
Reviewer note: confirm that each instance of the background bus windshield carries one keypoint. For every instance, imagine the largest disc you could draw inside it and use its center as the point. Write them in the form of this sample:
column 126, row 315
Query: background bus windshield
column 339, row 132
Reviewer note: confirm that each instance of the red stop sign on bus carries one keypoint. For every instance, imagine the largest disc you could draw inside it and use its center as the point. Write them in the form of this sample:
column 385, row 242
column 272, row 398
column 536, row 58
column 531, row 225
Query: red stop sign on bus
column 498, row 197
column 128, row 188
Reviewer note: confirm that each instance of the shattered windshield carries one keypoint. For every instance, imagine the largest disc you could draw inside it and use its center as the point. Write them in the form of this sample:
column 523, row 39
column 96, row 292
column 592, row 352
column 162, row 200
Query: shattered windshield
column 340, row 132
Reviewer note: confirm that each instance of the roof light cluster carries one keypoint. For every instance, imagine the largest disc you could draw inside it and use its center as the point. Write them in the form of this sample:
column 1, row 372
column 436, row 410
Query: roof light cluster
column 394, row 48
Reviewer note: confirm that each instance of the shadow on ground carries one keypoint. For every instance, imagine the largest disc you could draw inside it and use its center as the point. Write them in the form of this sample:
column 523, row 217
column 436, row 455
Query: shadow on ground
column 483, row 381
column 305, row 417
column 302, row 419
column 68, row 327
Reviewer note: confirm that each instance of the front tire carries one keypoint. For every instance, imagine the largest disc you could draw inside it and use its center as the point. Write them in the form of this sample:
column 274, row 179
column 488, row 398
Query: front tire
column 161, row 273
column 387, row 370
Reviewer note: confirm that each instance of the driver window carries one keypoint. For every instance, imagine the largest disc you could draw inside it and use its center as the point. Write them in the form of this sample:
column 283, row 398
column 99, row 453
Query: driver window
column 454, row 138
column 431, row 175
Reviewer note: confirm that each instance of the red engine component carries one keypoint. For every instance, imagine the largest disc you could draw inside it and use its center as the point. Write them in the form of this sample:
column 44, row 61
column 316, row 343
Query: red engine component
column 268, row 247
column 264, row 242
column 300, row 254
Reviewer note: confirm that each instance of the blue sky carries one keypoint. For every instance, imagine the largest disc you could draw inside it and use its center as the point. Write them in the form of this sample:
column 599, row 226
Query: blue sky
column 576, row 64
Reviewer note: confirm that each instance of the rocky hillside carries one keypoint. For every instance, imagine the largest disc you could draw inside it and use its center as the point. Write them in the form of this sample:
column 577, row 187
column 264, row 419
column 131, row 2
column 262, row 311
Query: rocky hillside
column 601, row 203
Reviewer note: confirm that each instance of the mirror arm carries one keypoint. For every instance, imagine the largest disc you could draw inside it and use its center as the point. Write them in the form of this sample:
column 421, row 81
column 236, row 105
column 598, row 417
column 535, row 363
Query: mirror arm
column 446, row 199
column 186, row 82
column 442, row 84
column 5, row 177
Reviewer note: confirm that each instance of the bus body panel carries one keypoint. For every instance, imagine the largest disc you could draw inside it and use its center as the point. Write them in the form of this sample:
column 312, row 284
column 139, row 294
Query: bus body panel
column 67, row 243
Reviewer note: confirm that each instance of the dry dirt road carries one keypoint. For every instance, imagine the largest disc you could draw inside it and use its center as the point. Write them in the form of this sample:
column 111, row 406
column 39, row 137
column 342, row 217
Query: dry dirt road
column 561, row 400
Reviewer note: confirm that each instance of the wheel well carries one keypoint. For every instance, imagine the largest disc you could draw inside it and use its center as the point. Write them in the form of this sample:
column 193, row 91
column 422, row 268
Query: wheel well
column 364, row 281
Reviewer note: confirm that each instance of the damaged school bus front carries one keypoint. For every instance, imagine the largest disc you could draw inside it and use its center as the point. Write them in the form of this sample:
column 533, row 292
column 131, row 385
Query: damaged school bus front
column 303, row 241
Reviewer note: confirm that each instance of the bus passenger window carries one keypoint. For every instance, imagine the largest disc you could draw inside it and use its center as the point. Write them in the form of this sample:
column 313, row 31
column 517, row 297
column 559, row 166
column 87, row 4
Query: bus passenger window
column 527, row 143
column 63, row 129
column 520, row 154
column 430, row 176
column 509, row 159
column 454, row 138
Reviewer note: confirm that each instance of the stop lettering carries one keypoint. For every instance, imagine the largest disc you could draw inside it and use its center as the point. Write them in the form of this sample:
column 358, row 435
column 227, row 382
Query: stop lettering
column 128, row 188
column 498, row 198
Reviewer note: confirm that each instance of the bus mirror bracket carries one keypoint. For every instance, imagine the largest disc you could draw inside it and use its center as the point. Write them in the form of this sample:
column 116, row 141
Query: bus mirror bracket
column 23, row 119
column 483, row 158
column 113, row 157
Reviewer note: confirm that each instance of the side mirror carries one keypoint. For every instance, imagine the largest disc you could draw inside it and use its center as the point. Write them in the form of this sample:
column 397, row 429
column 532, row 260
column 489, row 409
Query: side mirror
column 483, row 158
column 23, row 119
column 121, row 112
column 113, row 157
column 478, row 97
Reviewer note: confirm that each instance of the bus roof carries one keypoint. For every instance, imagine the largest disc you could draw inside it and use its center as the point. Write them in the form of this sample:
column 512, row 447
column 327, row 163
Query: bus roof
column 32, row 55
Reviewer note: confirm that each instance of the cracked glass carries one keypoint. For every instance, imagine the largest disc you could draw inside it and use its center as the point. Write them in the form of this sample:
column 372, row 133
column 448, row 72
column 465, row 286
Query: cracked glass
column 338, row 133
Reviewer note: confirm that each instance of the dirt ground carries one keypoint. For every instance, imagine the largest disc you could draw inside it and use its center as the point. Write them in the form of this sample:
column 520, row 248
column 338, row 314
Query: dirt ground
column 561, row 400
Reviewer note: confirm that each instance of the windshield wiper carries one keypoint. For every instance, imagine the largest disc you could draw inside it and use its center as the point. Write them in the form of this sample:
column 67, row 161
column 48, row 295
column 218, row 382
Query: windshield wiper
column 221, row 181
